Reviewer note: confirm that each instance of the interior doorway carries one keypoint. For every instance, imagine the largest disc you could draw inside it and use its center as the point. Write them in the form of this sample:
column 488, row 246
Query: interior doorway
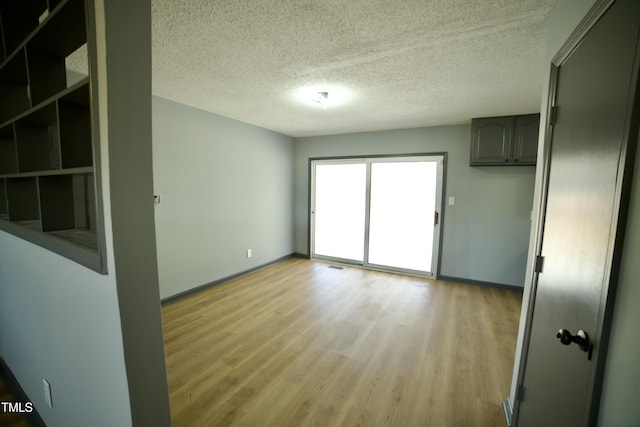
column 380, row 212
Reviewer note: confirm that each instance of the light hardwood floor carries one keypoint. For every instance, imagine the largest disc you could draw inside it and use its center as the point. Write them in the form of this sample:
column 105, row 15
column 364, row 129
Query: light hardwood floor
column 303, row 344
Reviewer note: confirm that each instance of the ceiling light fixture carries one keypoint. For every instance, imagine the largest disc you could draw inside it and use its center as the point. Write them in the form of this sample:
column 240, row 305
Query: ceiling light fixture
column 321, row 98
column 327, row 95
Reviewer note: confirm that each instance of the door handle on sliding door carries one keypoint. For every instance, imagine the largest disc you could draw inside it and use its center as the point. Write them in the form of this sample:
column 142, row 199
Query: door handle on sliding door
column 436, row 217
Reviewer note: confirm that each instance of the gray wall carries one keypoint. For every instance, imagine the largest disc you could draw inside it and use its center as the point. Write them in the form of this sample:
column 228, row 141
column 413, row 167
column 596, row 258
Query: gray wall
column 621, row 388
column 225, row 187
column 60, row 321
column 124, row 94
column 486, row 233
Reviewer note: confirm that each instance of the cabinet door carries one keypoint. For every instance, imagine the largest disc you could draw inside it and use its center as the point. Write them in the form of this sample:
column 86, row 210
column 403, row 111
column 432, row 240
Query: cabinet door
column 491, row 140
column 525, row 149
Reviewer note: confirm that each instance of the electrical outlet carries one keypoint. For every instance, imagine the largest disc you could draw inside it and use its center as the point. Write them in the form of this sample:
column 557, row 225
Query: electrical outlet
column 248, row 253
column 47, row 392
column 452, row 200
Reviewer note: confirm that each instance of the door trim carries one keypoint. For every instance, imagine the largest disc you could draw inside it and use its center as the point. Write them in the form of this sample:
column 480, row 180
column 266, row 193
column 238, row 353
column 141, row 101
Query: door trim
column 630, row 139
column 596, row 12
column 438, row 255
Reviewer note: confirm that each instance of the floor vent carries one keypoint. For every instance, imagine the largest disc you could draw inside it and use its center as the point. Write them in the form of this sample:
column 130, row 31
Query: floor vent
column 336, row 267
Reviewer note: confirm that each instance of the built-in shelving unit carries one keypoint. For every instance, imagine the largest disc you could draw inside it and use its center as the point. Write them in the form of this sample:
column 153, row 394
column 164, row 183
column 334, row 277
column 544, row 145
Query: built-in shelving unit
column 48, row 147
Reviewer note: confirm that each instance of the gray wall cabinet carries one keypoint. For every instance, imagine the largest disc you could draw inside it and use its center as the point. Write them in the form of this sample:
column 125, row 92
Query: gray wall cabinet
column 505, row 141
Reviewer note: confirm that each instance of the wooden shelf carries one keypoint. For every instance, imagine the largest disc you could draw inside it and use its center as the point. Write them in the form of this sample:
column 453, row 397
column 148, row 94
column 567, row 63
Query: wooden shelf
column 69, row 171
column 75, row 86
column 83, row 238
column 47, row 171
column 54, row 3
column 30, row 224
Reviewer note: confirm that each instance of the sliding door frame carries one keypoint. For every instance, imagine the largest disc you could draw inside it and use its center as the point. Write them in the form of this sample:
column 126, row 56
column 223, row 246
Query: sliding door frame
column 372, row 158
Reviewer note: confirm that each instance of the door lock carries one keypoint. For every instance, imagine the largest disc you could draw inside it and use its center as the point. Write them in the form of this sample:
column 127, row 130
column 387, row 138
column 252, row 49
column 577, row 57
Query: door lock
column 581, row 338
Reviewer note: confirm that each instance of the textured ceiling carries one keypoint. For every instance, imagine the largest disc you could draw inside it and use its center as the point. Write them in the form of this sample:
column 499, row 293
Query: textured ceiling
column 387, row 64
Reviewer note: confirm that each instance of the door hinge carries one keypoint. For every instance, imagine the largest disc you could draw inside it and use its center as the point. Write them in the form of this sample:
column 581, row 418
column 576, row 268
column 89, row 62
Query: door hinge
column 553, row 117
column 520, row 393
column 539, row 264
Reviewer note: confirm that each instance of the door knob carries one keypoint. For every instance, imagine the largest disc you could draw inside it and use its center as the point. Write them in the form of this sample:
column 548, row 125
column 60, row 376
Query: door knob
column 581, row 338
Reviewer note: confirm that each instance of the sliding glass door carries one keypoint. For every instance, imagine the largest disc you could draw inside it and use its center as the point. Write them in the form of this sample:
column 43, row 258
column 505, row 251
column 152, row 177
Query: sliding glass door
column 339, row 210
column 401, row 224
column 378, row 212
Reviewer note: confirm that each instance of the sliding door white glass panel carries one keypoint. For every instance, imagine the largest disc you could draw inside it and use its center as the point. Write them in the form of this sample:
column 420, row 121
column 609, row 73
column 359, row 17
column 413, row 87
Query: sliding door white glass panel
column 378, row 212
column 402, row 213
column 338, row 210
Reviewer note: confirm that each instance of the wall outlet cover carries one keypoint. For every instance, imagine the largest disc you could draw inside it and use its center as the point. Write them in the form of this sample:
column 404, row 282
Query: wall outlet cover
column 47, row 392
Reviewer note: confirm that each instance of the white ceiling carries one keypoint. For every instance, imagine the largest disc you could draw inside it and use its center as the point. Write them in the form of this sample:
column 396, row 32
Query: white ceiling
column 387, row 64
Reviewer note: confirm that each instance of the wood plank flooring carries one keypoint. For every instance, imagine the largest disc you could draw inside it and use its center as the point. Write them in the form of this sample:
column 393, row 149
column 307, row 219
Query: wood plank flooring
column 303, row 344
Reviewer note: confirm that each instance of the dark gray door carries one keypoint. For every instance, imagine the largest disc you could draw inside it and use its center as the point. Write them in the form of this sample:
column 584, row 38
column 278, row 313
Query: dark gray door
column 594, row 90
